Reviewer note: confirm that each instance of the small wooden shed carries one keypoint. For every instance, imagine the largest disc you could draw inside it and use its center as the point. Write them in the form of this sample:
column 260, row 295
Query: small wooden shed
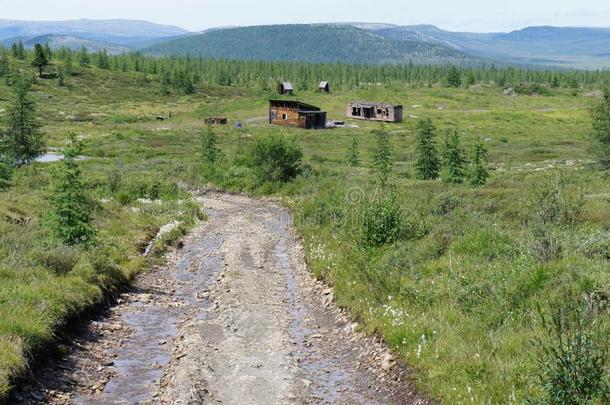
column 294, row 113
column 285, row 88
column 216, row 121
column 375, row 112
column 324, row 87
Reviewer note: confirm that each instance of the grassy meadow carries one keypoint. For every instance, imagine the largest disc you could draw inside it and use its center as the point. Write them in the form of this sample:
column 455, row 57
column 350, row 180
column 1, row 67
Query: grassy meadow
column 460, row 297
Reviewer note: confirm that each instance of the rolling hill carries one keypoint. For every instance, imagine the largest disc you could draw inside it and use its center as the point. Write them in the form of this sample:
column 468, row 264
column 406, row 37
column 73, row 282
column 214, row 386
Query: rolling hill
column 564, row 46
column 122, row 32
column 312, row 43
column 75, row 43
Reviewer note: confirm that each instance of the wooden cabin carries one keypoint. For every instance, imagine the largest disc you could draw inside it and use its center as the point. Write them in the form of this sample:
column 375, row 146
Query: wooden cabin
column 324, row 87
column 216, row 121
column 285, row 88
column 294, row 113
column 375, row 112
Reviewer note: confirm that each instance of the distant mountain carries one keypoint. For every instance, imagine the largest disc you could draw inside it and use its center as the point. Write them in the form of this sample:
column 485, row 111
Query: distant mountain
column 309, row 42
column 122, row 32
column 565, row 46
column 357, row 42
column 76, row 43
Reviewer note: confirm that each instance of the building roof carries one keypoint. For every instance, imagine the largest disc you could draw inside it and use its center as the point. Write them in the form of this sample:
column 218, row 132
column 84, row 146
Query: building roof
column 371, row 105
column 323, row 84
column 296, row 104
column 287, row 86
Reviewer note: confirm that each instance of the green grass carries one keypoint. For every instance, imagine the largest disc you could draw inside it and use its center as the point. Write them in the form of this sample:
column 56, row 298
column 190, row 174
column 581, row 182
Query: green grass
column 458, row 302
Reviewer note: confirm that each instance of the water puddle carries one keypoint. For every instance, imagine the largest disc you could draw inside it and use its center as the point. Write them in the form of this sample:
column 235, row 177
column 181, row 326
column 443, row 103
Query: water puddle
column 54, row 157
column 139, row 364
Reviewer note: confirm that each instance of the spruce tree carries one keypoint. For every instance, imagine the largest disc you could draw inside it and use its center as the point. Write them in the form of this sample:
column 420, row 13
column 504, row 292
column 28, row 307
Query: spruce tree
column 22, row 141
column 60, row 77
column 353, row 157
column 69, row 214
column 454, row 77
column 5, row 172
column 427, row 165
column 40, row 59
column 383, row 156
column 48, row 51
column 601, row 130
column 478, row 174
column 4, row 65
column 83, row 57
column 453, row 160
column 18, row 50
column 210, row 153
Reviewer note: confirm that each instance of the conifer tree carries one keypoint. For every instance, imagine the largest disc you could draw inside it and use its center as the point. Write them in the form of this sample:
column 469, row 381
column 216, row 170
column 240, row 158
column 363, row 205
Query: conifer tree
column 69, row 214
column 60, row 77
column 68, row 66
column 48, row 51
column 353, row 157
column 427, row 165
column 454, row 77
column 22, row 141
column 5, row 172
column 18, row 50
column 40, row 59
column 83, row 57
column 601, row 130
column 383, row 156
column 453, row 160
column 478, row 174
column 210, row 153
column 4, row 64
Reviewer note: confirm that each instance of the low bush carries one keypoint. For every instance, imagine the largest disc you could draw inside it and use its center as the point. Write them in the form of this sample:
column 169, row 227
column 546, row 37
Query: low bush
column 275, row 158
column 573, row 357
column 382, row 222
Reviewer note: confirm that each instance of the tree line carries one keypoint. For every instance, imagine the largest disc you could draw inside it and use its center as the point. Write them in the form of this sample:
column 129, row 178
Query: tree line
column 183, row 73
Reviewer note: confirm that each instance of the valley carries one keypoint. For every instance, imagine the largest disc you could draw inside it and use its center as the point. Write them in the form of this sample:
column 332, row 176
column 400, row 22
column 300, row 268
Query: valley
column 457, row 280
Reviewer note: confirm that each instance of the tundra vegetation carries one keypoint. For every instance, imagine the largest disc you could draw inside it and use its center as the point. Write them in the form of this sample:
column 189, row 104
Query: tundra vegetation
column 484, row 260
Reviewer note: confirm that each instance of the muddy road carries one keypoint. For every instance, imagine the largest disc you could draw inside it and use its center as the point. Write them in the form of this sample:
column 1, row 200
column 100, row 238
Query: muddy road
column 233, row 318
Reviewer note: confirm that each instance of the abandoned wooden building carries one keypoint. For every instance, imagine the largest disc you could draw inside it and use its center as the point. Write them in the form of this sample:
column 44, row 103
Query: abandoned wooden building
column 216, row 121
column 294, row 113
column 375, row 112
column 324, row 87
column 285, row 88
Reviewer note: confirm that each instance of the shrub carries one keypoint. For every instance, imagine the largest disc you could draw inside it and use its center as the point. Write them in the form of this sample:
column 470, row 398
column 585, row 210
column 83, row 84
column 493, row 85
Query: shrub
column 551, row 204
column 61, row 259
column 531, row 89
column 275, row 158
column 445, row 204
column 353, row 157
column 381, row 222
column 573, row 358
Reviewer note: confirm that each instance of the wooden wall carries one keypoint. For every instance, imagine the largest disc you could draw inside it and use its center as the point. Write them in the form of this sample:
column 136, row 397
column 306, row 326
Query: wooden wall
column 292, row 117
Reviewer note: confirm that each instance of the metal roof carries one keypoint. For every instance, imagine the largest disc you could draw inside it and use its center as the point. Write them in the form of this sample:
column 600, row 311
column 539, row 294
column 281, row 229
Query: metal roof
column 371, row 105
column 297, row 104
column 287, row 86
column 323, row 84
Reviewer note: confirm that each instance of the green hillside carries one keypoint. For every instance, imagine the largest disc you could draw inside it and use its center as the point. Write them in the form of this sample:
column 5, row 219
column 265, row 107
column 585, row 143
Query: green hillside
column 312, row 43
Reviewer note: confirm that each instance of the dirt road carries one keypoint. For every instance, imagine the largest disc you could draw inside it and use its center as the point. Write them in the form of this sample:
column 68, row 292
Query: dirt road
column 234, row 318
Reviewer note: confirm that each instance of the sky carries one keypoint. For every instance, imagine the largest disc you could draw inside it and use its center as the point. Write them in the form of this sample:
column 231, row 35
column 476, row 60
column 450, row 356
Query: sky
column 196, row 15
